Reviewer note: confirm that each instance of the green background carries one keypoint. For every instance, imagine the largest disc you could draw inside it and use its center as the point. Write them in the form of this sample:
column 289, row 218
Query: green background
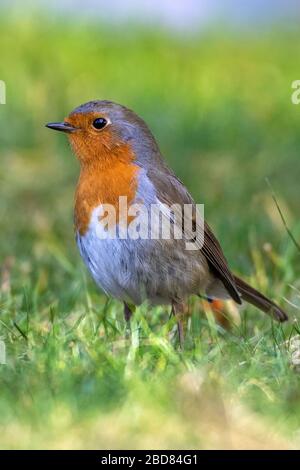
column 219, row 104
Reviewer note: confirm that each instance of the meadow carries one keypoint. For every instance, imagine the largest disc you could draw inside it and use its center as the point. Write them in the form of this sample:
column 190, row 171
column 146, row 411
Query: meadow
column 220, row 106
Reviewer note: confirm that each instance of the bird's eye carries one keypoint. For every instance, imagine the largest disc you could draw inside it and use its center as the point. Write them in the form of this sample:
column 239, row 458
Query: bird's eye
column 99, row 123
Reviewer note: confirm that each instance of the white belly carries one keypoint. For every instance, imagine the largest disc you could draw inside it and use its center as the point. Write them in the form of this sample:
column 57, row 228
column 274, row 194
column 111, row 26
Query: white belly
column 109, row 261
column 134, row 270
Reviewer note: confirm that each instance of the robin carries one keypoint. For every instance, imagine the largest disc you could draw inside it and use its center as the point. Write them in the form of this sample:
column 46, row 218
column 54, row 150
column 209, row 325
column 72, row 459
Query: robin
column 120, row 158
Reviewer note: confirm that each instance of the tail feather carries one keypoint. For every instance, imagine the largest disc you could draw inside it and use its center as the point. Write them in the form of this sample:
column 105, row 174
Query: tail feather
column 251, row 295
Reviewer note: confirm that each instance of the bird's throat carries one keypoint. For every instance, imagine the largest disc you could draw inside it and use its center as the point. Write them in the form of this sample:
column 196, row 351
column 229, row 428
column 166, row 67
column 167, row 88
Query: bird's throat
column 104, row 184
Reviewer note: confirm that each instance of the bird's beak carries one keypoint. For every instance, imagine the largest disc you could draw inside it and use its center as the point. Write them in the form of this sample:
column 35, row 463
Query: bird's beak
column 61, row 126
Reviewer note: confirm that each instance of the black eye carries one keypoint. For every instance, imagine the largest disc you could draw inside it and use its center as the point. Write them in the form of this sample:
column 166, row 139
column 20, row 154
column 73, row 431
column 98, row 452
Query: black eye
column 99, row 123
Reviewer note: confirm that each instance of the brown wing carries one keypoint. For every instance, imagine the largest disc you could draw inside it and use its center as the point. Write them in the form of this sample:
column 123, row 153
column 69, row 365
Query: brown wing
column 218, row 263
column 172, row 191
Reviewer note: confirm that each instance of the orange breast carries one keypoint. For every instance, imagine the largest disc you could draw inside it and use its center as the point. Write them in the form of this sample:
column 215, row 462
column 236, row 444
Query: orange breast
column 104, row 184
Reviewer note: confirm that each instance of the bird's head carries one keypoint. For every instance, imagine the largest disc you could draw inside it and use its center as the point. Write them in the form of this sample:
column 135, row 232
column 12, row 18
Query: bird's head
column 99, row 130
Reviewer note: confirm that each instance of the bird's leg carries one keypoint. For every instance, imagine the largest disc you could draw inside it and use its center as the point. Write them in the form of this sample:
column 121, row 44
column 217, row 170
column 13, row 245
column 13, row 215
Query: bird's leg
column 127, row 313
column 127, row 316
column 178, row 312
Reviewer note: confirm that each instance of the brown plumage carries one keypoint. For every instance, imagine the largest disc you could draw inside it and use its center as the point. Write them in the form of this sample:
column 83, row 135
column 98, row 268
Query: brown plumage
column 120, row 157
column 251, row 295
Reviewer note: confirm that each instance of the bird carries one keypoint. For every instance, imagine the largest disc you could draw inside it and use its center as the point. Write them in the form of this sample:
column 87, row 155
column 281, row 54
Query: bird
column 120, row 159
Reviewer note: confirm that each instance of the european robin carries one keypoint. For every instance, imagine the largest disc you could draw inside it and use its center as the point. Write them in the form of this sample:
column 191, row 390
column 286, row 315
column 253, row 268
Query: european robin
column 120, row 158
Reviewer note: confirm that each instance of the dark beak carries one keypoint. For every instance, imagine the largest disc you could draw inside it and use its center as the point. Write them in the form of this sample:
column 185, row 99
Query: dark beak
column 61, row 126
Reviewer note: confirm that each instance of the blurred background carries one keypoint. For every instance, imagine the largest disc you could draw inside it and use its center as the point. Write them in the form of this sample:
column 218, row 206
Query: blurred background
column 213, row 81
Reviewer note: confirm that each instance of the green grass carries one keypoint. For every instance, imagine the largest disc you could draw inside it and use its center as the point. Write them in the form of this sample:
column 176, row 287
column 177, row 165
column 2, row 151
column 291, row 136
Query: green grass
column 220, row 107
